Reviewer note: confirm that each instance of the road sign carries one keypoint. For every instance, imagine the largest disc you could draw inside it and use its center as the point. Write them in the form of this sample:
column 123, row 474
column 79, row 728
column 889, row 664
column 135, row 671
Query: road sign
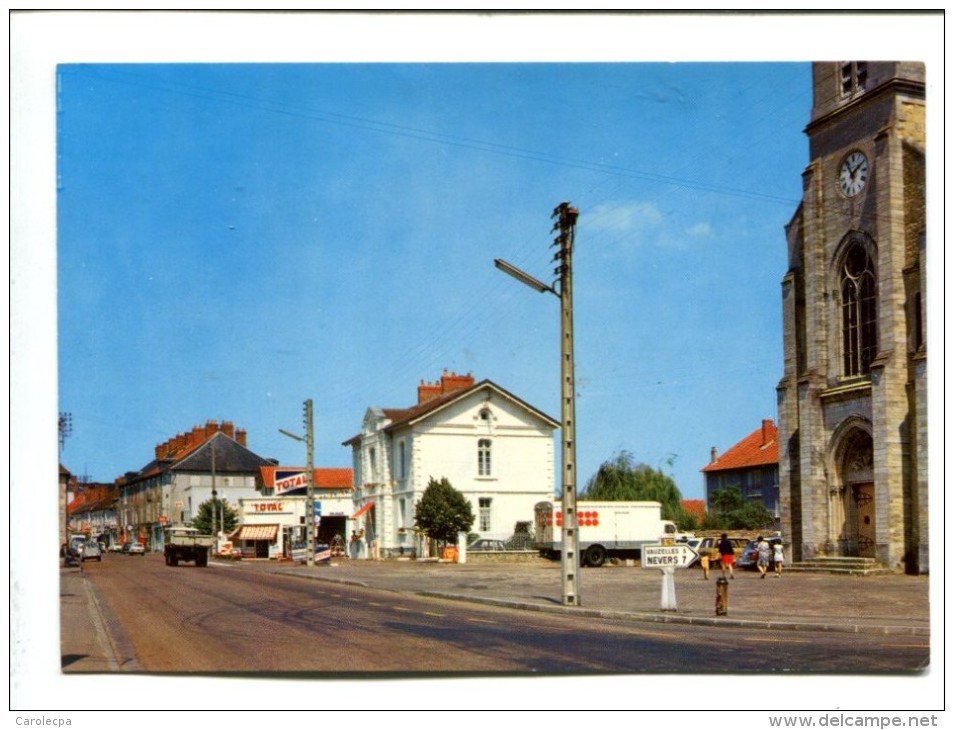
column 679, row 555
column 317, row 508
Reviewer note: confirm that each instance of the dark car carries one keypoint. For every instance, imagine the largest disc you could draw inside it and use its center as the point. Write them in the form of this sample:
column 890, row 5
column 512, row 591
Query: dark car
column 750, row 553
column 485, row 544
column 126, row 546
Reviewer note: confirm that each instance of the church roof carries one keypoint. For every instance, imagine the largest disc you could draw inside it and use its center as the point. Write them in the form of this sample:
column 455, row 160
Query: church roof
column 759, row 448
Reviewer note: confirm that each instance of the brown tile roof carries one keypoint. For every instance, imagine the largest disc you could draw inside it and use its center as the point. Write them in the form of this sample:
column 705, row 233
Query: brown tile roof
column 695, row 507
column 759, row 448
column 325, row 477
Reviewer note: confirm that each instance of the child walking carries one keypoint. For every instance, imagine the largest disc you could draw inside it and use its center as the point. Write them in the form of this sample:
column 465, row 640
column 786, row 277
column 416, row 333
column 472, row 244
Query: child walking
column 778, row 557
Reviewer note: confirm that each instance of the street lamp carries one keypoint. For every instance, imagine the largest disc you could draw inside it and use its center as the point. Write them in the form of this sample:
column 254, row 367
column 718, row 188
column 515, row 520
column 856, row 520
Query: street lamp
column 569, row 558
column 309, row 440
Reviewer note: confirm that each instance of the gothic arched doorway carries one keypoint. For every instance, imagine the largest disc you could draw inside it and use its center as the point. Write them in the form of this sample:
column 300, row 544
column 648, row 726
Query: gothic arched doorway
column 856, row 496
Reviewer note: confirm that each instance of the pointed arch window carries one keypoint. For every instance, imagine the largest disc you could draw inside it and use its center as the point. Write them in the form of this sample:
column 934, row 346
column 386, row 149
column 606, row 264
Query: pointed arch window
column 859, row 314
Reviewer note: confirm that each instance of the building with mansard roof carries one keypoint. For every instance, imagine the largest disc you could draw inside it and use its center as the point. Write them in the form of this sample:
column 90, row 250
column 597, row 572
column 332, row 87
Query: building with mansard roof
column 186, row 471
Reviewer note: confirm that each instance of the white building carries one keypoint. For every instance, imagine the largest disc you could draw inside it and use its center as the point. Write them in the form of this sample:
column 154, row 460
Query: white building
column 494, row 448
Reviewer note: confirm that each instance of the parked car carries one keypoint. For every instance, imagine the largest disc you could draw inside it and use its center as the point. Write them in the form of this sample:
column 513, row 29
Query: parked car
column 126, row 546
column 91, row 551
column 485, row 544
column 136, row 548
column 705, row 546
column 116, row 547
column 750, row 554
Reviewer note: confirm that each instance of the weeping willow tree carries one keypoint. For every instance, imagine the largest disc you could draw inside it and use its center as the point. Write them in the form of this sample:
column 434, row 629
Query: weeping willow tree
column 621, row 479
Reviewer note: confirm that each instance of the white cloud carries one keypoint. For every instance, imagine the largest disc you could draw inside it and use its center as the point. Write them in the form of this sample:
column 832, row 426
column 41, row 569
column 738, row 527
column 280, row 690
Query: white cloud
column 700, row 230
column 615, row 218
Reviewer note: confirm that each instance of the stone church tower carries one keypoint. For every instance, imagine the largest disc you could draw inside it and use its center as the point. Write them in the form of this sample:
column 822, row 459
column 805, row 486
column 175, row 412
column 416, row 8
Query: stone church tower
column 853, row 397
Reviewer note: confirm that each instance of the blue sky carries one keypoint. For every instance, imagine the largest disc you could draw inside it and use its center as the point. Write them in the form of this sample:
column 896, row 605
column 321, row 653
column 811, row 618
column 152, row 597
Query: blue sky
column 235, row 238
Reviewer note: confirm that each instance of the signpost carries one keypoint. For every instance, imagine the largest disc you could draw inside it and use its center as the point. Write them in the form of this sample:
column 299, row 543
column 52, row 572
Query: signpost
column 666, row 558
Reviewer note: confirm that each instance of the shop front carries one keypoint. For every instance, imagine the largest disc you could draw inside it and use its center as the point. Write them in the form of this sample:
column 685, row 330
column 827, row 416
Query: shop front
column 276, row 528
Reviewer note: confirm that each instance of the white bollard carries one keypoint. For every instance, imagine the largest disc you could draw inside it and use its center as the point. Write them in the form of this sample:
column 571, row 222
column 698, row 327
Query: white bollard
column 461, row 547
column 668, row 595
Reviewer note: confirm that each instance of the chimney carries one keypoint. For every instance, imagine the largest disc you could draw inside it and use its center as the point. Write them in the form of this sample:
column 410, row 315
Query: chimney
column 198, row 435
column 428, row 392
column 162, row 450
column 241, row 436
column 713, row 455
column 228, row 428
column 210, row 428
column 453, row 381
column 767, row 431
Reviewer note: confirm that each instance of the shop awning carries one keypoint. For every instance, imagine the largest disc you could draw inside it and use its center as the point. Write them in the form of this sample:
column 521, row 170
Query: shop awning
column 364, row 508
column 256, row 532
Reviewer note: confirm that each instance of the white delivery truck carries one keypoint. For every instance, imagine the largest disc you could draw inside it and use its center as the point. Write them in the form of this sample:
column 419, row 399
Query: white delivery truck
column 618, row 529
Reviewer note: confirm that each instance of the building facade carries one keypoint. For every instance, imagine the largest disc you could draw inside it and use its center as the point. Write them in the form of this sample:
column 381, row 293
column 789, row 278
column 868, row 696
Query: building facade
column 853, row 396
column 491, row 446
column 274, row 524
column 751, row 465
column 93, row 512
column 187, row 470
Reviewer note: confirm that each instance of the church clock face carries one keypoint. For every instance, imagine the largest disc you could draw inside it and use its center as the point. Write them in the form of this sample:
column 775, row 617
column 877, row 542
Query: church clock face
column 853, row 174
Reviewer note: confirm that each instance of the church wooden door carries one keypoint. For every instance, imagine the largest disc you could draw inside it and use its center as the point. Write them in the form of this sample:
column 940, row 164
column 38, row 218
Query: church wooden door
column 865, row 503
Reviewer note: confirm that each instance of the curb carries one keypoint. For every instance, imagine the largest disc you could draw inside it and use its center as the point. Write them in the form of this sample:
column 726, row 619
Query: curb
column 878, row 630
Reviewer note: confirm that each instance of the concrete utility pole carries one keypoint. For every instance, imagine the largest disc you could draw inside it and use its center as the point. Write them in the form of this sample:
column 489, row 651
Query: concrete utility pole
column 569, row 554
column 215, row 533
column 570, row 558
column 310, row 502
column 309, row 439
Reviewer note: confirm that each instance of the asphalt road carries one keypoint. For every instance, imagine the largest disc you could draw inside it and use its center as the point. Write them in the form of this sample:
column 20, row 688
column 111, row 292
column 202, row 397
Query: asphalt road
column 229, row 619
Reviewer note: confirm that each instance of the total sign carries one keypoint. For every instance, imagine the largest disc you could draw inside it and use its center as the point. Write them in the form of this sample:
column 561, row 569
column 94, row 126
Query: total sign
column 680, row 555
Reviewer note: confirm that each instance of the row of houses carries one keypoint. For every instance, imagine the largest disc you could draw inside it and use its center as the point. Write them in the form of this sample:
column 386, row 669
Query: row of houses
column 494, row 447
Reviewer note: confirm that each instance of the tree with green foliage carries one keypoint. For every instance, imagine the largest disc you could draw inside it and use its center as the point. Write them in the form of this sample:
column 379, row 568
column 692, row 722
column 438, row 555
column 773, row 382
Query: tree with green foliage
column 442, row 512
column 622, row 480
column 728, row 510
column 203, row 518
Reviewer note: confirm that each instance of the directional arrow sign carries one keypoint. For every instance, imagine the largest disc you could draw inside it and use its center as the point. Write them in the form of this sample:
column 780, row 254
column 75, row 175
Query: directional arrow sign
column 680, row 555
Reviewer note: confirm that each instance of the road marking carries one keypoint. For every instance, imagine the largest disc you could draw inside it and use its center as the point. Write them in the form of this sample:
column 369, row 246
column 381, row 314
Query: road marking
column 435, row 615
column 401, row 608
column 482, row 620
column 777, row 640
column 907, row 646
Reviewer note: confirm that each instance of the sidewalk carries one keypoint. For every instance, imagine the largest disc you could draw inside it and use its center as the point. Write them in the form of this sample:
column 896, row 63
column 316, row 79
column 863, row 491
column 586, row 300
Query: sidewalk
column 883, row 604
column 90, row 641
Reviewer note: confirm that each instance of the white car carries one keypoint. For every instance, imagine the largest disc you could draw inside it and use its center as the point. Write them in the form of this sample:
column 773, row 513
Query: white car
column 91, row 551
column 137, row 548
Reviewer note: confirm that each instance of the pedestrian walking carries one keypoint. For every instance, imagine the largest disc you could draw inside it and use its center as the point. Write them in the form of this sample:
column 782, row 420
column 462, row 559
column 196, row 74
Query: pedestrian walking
column 765, row 553
column 727, row 556
column 778, row 556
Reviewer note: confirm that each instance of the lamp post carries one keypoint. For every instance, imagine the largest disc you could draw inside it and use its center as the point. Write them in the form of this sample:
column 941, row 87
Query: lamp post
column 309, row 441
column 569, row 558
